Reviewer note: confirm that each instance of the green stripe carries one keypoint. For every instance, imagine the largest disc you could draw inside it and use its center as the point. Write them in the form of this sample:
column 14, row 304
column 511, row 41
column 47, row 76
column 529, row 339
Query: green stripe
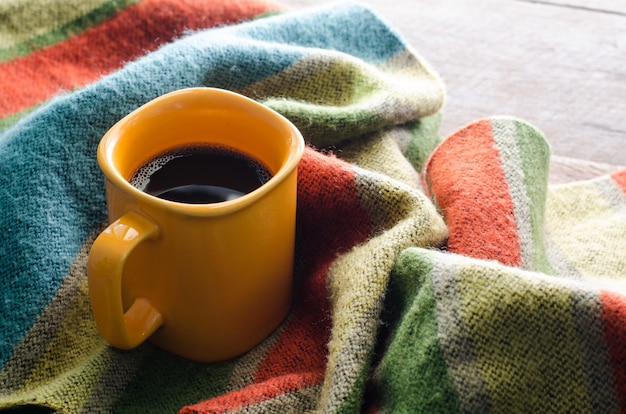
column 358, row 280
column 75, row 27
column 524, row 337
column 158, row 386
column 424, row 139
column 413, row 374
column 23, row 19
column 525, row 154
column 456, row 341
column 23, row 369
column 322, row 126
column 113, row 370
column 535, row 158
column 328, row 97
column 11, row 120
column 333, row 96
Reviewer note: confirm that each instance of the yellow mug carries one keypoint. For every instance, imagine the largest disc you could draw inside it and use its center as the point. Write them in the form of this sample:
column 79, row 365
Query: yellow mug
column 207, row 282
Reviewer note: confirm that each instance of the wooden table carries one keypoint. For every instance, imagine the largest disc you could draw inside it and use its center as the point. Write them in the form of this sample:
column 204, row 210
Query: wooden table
column 558, row 64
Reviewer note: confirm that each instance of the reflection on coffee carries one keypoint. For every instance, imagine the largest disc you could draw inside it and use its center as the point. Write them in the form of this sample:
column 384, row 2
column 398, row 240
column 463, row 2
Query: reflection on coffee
column 201, row 174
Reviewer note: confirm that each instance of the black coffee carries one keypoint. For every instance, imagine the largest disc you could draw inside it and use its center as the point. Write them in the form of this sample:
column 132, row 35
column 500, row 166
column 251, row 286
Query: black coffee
column 201, row 174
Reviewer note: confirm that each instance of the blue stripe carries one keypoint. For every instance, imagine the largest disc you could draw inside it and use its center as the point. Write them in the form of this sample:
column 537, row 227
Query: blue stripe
column 51, row 189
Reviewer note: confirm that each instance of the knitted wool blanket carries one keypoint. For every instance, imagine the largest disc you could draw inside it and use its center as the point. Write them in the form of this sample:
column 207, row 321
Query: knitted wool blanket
column 432, row 275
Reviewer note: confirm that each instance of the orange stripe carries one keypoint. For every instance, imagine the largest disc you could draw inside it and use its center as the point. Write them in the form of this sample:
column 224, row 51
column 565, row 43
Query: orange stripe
column 255, row 394
column 136, row 30
column 466, row 178
column 331, row 220
column 620, row 178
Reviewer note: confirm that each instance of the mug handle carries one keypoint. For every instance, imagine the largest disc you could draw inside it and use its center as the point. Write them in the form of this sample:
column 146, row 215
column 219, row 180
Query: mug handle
column 105, row 266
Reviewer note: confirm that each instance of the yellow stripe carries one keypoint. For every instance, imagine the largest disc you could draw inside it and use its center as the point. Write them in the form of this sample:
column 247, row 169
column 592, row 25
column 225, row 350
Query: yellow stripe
column 69, row 353
column 25, row 19
column 329, row 79
column 524, row 339
column 70, row 391
column 586, row 222
column 76, row 351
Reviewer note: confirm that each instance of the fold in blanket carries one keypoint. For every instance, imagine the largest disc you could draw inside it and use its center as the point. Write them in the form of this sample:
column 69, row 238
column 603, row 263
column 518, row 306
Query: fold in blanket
column 431, row 275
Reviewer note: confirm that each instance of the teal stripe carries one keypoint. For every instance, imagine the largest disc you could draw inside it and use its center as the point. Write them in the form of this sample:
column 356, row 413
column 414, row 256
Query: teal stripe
column 375, row 43
column 40, row 198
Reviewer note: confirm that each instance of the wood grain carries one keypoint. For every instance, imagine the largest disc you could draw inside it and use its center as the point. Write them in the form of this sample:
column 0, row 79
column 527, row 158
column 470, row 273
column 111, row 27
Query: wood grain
column 598, row 6
column 558, row 64
column 564, row 170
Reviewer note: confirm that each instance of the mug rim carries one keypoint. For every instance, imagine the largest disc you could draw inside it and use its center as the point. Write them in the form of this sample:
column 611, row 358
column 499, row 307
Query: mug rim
column 107, row 143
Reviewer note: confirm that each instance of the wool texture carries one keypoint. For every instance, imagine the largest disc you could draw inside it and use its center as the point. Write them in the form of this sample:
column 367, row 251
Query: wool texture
column 431, row 275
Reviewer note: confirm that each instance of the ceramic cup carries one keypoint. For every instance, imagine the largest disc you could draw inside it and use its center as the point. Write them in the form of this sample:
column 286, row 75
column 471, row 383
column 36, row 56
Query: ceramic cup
column 207, row 282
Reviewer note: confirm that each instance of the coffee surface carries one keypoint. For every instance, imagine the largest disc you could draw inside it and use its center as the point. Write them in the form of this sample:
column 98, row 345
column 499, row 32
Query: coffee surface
column 201, row 174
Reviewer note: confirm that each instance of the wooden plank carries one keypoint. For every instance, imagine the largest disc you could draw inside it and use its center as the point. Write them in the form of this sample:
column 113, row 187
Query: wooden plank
column 565, row 170
column 558, row 68
column 558, row 64
column 599, row 6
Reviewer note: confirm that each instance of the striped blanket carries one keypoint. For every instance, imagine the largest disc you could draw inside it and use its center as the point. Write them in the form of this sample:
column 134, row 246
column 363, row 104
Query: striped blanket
column 432, row 275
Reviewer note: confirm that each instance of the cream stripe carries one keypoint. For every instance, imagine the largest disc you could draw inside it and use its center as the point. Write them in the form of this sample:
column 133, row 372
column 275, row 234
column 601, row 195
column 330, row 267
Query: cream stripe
column 357, row 280
column 357, row 284
column 29, row 18
column 505, row 137
column 587, row 317
column 557, row 259
column 587, row 221
column 246, row 366
column 380, row 152
column 456, row 342
column 300, row 401
column 612, row 193
column 414, row 82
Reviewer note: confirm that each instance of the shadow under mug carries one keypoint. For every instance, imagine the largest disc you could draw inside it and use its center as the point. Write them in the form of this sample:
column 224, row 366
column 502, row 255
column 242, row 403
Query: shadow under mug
column 207, row 282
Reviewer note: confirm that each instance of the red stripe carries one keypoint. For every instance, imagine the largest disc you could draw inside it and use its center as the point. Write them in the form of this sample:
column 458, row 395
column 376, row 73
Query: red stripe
column 133, row 32
column 252, row 395
column 330, row 221
column 614, row 317
column 466, row 178
column 620, row 179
